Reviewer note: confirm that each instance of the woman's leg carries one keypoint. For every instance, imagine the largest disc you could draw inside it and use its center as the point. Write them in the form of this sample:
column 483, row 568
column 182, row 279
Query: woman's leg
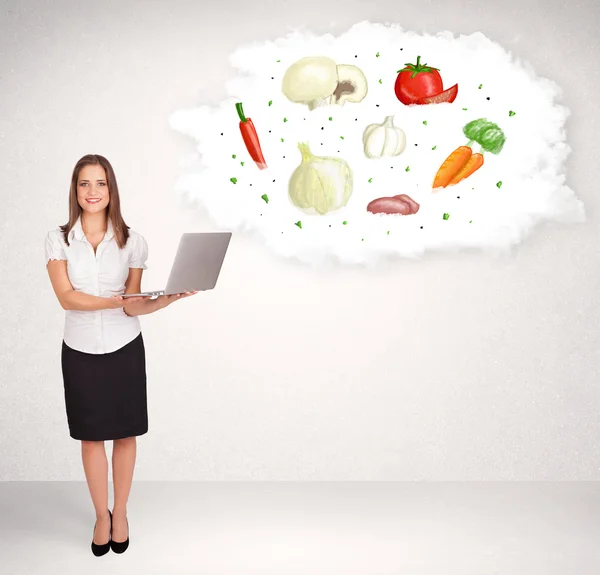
column 123, row 462
column 95, row 465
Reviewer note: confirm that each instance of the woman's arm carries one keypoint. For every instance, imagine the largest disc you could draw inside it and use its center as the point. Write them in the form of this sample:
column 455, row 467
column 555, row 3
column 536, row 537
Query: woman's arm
column 85, row 302
column 70, row 299
column 145, row 306
column 152, row 305
column 67, row 296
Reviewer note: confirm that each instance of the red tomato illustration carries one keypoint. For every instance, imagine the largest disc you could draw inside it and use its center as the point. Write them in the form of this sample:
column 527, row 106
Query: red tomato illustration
column 448, row 95
column 417, row 81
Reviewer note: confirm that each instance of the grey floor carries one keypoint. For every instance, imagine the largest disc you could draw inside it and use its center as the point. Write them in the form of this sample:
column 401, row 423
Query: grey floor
column 310, row 528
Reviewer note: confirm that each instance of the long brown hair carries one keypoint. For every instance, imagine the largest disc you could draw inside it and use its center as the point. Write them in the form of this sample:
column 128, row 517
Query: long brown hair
column 120, row 228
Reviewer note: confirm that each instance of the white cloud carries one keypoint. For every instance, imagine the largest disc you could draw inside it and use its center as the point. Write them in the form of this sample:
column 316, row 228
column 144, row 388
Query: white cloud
column 530, row 166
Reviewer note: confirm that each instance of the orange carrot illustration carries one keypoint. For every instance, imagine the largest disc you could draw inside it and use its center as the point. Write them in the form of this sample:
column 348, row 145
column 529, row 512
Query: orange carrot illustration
column 473, row 164
column 462, row 162
column 454, row 163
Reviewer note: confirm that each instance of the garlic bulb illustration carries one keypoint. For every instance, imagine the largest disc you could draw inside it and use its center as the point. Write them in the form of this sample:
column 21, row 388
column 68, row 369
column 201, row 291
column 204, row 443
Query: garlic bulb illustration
column 320, row 184
column 317, row 81
column 383, row 139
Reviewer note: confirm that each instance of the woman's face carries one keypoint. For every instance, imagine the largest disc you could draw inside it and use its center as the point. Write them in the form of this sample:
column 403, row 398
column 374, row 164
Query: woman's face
column 92, row 189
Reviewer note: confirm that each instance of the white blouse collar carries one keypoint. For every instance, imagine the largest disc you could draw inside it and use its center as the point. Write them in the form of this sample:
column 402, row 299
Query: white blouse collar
column 78, row 233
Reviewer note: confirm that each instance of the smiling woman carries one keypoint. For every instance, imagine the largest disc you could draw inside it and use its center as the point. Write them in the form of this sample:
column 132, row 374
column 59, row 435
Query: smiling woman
column 92, row 260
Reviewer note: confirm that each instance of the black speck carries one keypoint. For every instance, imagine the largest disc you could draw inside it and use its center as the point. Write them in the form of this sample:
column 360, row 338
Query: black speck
column 272, row 78
column 284, row 157
column 377, row 105
column 488, row 98
column 273, row 180
column 338, row 151
column 221, row 133
column 269, row 131
column 321, row 143
column 329, row 225
column 401, row 49
column 356, row 119
column 421, row 227
column 261, row 214
column 250, row 184
column 392, row 167
column 322, row 128
column 458, row 197
column 355, row 56
column 416, row 144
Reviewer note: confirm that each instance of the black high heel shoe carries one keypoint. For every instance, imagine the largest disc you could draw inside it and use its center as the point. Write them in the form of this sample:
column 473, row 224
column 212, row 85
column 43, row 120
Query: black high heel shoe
column 99, row 550
column 120, row 547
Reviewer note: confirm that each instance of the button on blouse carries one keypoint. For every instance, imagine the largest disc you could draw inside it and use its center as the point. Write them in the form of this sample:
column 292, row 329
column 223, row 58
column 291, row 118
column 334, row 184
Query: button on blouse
column 101, row 274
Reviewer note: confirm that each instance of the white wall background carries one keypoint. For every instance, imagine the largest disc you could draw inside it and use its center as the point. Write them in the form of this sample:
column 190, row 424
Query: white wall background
column 457, row 367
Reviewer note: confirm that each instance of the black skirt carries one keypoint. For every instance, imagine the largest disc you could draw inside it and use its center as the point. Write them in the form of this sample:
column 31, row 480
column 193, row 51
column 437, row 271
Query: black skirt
column 105, row 394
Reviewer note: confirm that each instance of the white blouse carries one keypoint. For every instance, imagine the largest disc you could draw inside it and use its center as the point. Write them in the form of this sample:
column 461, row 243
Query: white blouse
column 102, row 274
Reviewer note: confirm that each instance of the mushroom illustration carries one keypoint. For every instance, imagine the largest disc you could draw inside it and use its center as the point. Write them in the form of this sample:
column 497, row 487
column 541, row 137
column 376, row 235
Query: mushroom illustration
column 352, row 85
column 318, row 81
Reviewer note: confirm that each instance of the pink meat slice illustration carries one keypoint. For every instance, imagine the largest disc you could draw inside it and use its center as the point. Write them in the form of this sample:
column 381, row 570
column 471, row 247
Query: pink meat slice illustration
column 400, row 204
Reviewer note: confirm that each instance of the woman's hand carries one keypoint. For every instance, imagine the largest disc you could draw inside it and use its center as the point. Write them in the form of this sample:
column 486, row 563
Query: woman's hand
column 164, row 300
column 117, row 301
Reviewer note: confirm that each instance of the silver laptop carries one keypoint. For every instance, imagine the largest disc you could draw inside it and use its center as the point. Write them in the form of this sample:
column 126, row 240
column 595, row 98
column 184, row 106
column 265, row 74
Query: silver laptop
column 197, row 263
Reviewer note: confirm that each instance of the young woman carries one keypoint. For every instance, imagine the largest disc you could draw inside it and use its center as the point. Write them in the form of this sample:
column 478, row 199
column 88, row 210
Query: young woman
column 91, row 261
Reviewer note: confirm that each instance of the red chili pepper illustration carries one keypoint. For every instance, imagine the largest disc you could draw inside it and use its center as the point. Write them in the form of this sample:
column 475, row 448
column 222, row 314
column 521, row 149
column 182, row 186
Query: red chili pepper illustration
column 250, row 138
